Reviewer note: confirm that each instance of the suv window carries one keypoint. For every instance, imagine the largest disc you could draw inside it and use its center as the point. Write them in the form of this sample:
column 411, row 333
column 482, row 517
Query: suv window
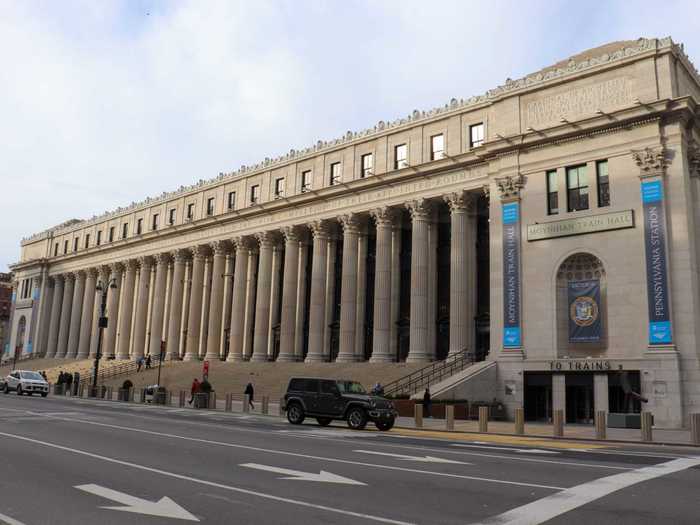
column 15, row 375
column 32, row 375
column 304, row 385
column 351, row 387
column 329, row 387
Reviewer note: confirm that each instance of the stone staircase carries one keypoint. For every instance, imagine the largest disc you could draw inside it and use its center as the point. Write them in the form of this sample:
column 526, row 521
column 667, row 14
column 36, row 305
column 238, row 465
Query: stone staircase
column 269, row 379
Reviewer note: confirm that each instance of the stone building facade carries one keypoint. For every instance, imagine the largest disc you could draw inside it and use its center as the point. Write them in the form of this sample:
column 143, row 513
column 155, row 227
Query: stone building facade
column 475, row 226
column 5, row 313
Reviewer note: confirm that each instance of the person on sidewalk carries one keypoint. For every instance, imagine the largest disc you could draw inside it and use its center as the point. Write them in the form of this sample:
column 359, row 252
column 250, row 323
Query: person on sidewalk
column 250, row 392
column 426, row 403
column 139, row 364
column 148, row 362
column 193, row 390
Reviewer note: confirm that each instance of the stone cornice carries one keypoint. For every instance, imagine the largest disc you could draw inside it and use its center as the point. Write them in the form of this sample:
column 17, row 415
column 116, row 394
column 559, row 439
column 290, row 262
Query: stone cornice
column 510, row 87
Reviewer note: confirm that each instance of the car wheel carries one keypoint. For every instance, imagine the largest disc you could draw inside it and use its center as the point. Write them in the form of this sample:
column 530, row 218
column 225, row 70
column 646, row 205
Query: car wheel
column 19, row 390
column 324, row 421
column 44, row 394
column 295, row 414
column 357, row 419
column 384, row 425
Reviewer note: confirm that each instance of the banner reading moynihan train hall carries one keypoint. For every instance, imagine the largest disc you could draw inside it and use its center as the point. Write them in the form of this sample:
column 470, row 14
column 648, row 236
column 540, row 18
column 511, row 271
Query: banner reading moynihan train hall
column 657, row 275
column 512, row 335
column 584, row 311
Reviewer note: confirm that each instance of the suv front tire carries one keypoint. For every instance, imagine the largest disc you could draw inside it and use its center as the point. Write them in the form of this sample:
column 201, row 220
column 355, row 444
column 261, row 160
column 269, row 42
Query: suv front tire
column 357, row 418
column 295, row 414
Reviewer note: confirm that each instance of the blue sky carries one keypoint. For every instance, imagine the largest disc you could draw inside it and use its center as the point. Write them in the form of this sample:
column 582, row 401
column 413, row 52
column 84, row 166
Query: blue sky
column 105, row 103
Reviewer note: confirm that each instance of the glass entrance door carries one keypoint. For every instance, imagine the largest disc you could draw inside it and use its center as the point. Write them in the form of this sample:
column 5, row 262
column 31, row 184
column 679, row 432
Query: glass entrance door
column 579, row 398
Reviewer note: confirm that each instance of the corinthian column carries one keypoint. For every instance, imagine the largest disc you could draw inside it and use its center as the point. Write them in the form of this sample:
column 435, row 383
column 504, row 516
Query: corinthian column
column 127, row 309
column 420, row 217
column 300, row 322
column 112, row 313
column 76, row 315
column 216, row 304
column 275, row 299
column 289, row 294
column 146, row 264
column 251, row 283
column 395, row 288
column 237, row 322
column 262, row 306
column 348, row 289
column 87, row 315
column 176, row 295
column 55, row 322
column 461, row 318
column 381, row 352
column 158, row 310
column 194, row 317
column 317, row 303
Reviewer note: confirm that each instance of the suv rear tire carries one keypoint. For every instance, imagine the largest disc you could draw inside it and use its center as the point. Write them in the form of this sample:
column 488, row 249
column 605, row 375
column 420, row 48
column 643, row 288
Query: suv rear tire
column 324, row 421
column 357, row 418
column 295, row 414
column 19, row 390
column 384, row 425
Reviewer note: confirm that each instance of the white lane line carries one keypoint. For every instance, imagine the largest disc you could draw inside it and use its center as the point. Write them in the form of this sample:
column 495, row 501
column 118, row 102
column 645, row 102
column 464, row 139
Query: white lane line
column 420, row 459
column 204, row 482
column 9, row 521
column 307, row 456
column 520, row 450
column 570, row 499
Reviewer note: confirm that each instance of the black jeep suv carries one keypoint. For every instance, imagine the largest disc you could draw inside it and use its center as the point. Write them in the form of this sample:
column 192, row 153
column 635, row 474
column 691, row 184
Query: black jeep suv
column 329, row 399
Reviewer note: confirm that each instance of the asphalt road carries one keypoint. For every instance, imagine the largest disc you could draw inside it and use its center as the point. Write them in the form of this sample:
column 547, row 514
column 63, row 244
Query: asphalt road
column 83, row 461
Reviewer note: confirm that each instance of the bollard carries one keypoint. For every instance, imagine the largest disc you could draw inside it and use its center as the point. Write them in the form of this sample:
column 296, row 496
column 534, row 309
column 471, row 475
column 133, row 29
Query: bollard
column 246, row 403
column 483, row 419
column 132, row 393
column 265, row 405
column 212, row 400
column 601, row 425
column 647, row 422
column 449, row 417
column 170, row 398
column 695, row 429
column 281, row 408
column 558, row 423
column 418, row 415
column 181, row 401
column 229, row 402
column 519, row 421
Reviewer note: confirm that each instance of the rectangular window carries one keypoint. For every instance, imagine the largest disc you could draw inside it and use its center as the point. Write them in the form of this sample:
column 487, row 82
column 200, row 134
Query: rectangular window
column 255, row 194
column 232, row 200
column 305, row 181
column 75, row 244
column 603, row 183
column 55, row 250
column 125, row 230
column 99, row 238
column 87, row 240
column 190, row 211
column 154, row 222
column 111, row 234
column 335, row 173
column 367, row 165
column 279, row 188
column 476, row 135
column 171, row 216
column 400, row 156
column 437, row 147
column 139, row 226
column 210, row 206
column 577, row 188
column 552, row 193
column 65, row 247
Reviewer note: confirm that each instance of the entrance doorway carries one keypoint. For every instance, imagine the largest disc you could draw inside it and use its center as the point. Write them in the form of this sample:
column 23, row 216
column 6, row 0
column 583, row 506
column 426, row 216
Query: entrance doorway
column 538, row 396
column 579, row 398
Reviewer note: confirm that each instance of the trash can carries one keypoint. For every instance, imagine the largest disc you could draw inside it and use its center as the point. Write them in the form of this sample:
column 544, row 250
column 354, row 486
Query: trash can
column 160, row 396
column 201, row 400
column 59, row 390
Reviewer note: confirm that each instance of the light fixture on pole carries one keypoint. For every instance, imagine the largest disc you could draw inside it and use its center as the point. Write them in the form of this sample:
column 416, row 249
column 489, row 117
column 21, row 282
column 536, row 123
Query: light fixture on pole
column 101, row 325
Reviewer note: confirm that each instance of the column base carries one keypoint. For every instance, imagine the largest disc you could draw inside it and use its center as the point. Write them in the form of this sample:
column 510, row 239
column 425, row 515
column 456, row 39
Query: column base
column 212, row 357
column 419, row 358
column 234, row 358
column 122, row 357
column 315, row 359
column 386, row 358
column 85, row 356
column 259, row 358
column 172, row 357
column 289, row 358
column 346, row 358
column 191, row 357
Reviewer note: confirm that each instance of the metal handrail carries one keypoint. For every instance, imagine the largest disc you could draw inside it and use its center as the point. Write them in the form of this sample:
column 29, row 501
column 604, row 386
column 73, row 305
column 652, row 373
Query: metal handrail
column 120, row 369
column 432, row 373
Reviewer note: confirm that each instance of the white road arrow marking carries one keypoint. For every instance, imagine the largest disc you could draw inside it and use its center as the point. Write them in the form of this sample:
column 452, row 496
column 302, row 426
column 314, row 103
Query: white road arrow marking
column 421, row 459
column 298, row 475
column 165, row 507
column 520, row 450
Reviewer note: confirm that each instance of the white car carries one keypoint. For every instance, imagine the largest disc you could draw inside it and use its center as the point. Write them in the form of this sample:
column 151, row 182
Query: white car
column 26, row 382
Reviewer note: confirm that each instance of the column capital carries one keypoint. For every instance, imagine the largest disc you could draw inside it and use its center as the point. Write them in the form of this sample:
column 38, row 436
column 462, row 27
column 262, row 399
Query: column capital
column 694, row 158
column 509, row 187
column 460, row 201
column 181, row 255
column 267, row 238
column 145, row 261
column 350, row 222
column 320, row 229
column 116, row 267
column 219, row 247
column 131, row 265
column 652, row 162
column 383, row 216
column 420, row 209
column 242, row 243
column 199, row 251
column 162, row 258
column 68, row 277
column 79, row 275
column 291, row 233
column 92, row 272
column 104, row 272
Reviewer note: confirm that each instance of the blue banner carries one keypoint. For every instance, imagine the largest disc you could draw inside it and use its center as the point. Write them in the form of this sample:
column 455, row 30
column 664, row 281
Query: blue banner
column 585, row 324
column 660, row 331
column 512, row 334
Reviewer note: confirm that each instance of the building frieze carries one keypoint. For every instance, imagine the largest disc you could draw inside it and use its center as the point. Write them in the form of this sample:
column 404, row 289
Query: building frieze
column 510, row 87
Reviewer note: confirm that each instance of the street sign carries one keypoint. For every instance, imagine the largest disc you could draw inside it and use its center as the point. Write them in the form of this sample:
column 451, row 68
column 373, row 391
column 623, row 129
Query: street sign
column 102, row 323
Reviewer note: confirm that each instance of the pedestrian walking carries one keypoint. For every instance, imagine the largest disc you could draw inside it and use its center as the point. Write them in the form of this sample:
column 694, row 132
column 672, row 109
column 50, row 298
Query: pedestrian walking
column 148, row 362
column 250, row 392
column 427, row 402
column 43, row 374
column 139, row 364
column 193, row 390
column 378, row 389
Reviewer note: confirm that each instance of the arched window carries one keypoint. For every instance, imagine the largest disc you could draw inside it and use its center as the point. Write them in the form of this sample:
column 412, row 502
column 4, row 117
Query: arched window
column 581, row 307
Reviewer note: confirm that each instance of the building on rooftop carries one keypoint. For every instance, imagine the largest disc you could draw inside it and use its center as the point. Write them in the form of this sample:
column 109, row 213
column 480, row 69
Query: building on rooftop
column 549, row 226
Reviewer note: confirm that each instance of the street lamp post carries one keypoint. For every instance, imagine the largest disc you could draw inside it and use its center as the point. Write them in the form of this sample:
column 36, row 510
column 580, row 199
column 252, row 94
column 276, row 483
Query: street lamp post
column 101, row 325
